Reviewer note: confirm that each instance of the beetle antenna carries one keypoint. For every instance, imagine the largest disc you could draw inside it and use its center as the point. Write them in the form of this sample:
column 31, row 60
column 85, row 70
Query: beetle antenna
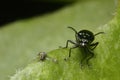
column 72, row 29
column 99, row 33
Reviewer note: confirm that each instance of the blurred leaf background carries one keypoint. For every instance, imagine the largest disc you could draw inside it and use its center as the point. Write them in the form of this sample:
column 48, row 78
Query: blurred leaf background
column 23, row 37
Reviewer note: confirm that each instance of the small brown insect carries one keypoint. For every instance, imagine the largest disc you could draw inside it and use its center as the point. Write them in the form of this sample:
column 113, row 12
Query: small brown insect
column 42, row 56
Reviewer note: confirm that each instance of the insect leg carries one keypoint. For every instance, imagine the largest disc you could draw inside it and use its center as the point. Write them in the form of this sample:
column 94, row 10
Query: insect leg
column 94, row 45
column 69, row 41
column 83, row 59
column 91, row 56
column 71, row 49
column 85, row 54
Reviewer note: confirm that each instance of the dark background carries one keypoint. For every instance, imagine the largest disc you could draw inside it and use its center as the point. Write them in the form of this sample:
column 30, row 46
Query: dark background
column 16, row 10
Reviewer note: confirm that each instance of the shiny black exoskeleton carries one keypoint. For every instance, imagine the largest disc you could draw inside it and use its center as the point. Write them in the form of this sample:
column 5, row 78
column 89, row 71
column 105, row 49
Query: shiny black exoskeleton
column 84, row 39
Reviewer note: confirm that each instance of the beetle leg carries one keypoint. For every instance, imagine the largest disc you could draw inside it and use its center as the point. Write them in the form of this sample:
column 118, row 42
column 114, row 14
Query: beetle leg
column 69, row 41
column 91, row 56
column 83, row 59
column 71, row 49
column 94, row 45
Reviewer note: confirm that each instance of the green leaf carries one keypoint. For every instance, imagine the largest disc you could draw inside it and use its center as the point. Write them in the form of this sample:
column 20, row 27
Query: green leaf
column 22, row 40
column 105, row 66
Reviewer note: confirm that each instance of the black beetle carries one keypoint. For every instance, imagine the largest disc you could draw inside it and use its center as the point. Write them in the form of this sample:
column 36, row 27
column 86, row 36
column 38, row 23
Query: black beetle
column 84, row 39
